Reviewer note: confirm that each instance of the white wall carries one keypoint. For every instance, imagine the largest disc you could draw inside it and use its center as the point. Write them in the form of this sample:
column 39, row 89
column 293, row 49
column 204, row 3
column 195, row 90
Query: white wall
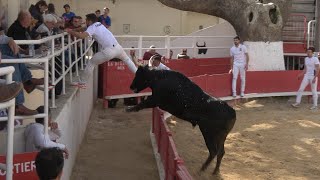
column 146, row 17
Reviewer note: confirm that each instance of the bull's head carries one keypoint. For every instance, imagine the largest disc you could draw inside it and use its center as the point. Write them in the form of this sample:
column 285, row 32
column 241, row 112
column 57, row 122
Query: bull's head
column 141, row 80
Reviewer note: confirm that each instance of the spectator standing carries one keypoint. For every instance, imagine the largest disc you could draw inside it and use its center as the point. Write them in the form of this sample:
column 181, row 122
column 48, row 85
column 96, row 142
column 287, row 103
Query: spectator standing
column 98, row 13
column 68, row 14
column 183, row 55
column 310, row 76
column 49, row 164
column 105, row 18
column 239, row 64
column 37, row 11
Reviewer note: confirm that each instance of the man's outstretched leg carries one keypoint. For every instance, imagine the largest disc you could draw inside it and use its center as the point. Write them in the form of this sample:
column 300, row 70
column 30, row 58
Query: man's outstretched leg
column 97, row 59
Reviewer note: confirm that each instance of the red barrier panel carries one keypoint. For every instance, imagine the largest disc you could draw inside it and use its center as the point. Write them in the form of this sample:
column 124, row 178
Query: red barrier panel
column 172, row 163
column 23, row 166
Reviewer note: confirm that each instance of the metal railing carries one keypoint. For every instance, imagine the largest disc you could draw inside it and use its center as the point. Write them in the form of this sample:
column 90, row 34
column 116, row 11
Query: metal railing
column 167, row 43
column 311, row 33
column 45, row 60
column 11, row 105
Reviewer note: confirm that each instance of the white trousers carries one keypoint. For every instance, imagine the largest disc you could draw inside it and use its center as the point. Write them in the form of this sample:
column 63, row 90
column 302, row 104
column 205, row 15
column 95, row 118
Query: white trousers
column 308, row 80
column 235, row 72
column 104, row 56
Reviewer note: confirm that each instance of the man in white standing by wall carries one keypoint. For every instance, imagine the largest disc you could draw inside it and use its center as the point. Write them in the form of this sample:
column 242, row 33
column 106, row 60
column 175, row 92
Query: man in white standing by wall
column 110, row 47
column 310, row 76
column 239, row 64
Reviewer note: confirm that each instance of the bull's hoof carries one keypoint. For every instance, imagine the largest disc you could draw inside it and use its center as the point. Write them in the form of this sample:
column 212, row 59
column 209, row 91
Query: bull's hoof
column 130, row 109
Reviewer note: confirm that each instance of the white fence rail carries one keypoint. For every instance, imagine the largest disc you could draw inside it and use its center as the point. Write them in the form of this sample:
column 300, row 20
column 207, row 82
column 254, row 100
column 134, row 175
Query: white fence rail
column 311, row 33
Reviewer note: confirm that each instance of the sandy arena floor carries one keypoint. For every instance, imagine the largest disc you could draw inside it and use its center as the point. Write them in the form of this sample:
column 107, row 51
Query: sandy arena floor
column 270, row 140
column 116, row 146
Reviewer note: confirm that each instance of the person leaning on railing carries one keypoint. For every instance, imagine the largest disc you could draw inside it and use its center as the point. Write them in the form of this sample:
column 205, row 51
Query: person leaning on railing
column 10, row 50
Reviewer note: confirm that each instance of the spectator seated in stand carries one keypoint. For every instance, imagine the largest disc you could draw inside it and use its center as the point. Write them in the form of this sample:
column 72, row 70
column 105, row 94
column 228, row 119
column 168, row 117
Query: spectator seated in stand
column 183, row 55
column 49, row 164
column 36, row 139
column 20, row 30
column 10, row 50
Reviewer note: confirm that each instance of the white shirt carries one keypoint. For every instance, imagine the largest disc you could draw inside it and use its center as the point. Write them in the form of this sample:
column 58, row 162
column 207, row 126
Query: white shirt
column 44, row 29
column 160, row 67
column 239, row 54
column 310, row 64
column 102, row 35
column 36, row 139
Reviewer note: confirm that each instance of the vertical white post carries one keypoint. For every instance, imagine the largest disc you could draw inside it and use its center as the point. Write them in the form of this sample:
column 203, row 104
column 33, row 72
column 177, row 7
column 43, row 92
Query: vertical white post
column 63, row 67
column 70, row 57
column 76, row 55
column 168, row 46
column 194, row 42
column 81, row 48
column 46, row 94
column 140, row 47
column 53, row 69
column 86, row 48
column 9, row 158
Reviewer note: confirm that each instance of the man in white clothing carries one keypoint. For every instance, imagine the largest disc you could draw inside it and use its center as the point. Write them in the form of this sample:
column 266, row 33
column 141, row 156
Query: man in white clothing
column 155, row 62
column 310, row 76
column 239, row 64
column 36, row 139
column 110, row 47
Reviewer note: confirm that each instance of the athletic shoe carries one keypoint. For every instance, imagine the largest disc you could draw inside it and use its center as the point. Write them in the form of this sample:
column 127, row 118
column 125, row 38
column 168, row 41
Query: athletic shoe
column 242, row 95
column 79, row 84
column 296, row 105
column 313, row 108
column 234, row 95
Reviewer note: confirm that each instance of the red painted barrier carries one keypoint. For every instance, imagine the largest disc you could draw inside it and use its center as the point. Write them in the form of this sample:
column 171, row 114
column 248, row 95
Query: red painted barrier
column 23, row 166
column 173, row 165
column 117, row 78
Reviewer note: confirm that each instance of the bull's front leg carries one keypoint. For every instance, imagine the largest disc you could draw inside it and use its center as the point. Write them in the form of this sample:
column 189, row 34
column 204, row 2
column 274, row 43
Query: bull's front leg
column 148, row 103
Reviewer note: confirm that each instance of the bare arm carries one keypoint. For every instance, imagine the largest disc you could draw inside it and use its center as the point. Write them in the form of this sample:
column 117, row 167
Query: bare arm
column 13, row 46
column 81, row 35
column 247, row 59
column 317, row 72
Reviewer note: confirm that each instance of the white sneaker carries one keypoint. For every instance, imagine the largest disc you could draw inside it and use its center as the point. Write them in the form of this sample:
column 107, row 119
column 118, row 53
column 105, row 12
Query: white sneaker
column 242, row 94
column 314, row 108
column 79, row 84
column 234, row 95
column 296, row 105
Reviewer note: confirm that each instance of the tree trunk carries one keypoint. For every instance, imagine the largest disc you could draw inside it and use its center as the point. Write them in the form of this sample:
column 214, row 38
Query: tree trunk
column 253, row 20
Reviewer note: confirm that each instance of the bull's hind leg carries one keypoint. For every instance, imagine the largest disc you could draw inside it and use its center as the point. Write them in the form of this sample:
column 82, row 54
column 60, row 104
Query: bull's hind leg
column 208, row 161
column 211, row 145
column 219, row 157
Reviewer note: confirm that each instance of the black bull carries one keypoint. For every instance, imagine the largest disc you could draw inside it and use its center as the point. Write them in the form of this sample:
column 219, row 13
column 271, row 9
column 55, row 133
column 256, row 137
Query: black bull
column 176, row 94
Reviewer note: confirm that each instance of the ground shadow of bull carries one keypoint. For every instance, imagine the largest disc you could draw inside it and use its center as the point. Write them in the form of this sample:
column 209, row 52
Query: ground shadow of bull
column 175, row 93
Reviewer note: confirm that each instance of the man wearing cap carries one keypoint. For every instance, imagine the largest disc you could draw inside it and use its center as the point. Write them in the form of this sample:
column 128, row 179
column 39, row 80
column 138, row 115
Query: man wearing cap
column 110, row 48
column 68, row 14
column 152, row 51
